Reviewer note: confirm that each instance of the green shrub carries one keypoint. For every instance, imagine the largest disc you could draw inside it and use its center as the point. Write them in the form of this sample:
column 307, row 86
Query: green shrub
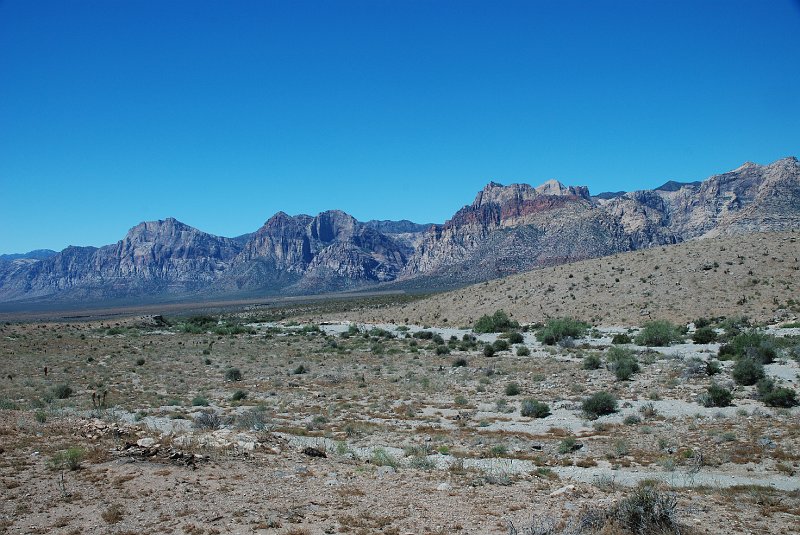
column 557, row 329
column 488, row 350
column 300, row 370
column 239, row 395
column 747, row 371
column 622, row 362
column 69, row 459
column 500, row 345
column 781, row 397
column 700, row 323
column 423, row 335
column 599, row 404
column 753, row 344
column 199, row 401
column 498, row 322
column 716, row 396
column 459, row 362
column 775, row 397
column 647, row 511
column 233, row 374
column 140, row 362
column 704, row 335
column 523, row 351
column 207, row 419
column 658, row 333
column 567, row 445
column 62, row 391
column 713, row 367
column 591, row 362
column 380, row 457
column 442, row 350
column 515, row 338
column 532, row 408
column 621, row 338
column 512, row 389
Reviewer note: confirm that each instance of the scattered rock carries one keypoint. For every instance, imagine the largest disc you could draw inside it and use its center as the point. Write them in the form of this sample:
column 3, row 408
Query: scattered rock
column 385, row 471
column 314, row 452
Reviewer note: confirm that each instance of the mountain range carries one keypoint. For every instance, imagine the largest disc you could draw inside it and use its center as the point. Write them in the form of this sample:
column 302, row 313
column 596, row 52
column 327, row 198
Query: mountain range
column 506, row 229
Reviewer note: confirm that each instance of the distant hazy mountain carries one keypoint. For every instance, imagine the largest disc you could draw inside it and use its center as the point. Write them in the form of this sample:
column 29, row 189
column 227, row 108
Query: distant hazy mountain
column 507, row 229
column 38, row 254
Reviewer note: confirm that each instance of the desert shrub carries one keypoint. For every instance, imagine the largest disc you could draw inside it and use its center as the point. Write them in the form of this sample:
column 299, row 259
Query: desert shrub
column 648, row 410
column 230, row 329
column 515, row 338
column 8, row 405
column 775, row 396
column 459, row 362
column 198, row 324
column 747, row 371
column 781, row 397
column 113, row 514
column 300, row 370
column 62, row 391
column 69, row 459
column 622, row 362
column 497, row 322
column 713, row 367
column 140, row 361
column 199, row 401
column 704, row 335
column 239, row 395
column 374, row 332
column 488, row 350
column 437, row 339
column 421, row 462
column 599, row 404
column 423, row 335
column 567, row 445
column 753, row 344
column 658, row 333
column 532, row 408
column 442, row 350
column 207, row 420
column 700, row 323
column 381, row 457
column 523, row 351
column 716, row 396
column 648, row 511
column 233, row 374
column 591, row 362
column 557, row 329
column 255, row 419
column 500, row 345
column 512, row 389
column 621, row 338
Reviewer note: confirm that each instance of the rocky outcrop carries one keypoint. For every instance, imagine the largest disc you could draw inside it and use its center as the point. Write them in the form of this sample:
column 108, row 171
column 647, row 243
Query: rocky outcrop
column 516, row 228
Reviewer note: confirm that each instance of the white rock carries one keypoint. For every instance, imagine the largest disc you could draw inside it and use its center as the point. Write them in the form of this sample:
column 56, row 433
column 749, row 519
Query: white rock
column 145, row 442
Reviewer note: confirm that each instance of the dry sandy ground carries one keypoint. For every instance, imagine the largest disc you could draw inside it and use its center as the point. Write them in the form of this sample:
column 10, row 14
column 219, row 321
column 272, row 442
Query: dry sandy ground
column 757, row 275
column 413, row 443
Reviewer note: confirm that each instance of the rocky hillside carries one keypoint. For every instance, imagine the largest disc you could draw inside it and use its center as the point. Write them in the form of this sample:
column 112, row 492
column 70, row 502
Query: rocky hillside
column 506, row 230
column 755, row 274
column 515, row 228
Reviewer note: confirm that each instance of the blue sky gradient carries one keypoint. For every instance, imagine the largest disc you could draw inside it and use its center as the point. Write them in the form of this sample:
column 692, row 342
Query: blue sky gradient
column 222, row 113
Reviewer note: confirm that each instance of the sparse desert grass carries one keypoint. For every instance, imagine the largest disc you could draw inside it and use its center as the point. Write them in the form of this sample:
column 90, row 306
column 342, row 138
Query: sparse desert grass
column 356, row 405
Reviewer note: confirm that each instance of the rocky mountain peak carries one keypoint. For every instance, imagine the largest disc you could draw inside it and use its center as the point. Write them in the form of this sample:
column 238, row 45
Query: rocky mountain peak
column 517, row 194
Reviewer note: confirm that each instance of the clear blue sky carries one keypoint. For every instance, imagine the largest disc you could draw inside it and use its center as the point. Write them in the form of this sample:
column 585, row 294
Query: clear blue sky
column 222, row 113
